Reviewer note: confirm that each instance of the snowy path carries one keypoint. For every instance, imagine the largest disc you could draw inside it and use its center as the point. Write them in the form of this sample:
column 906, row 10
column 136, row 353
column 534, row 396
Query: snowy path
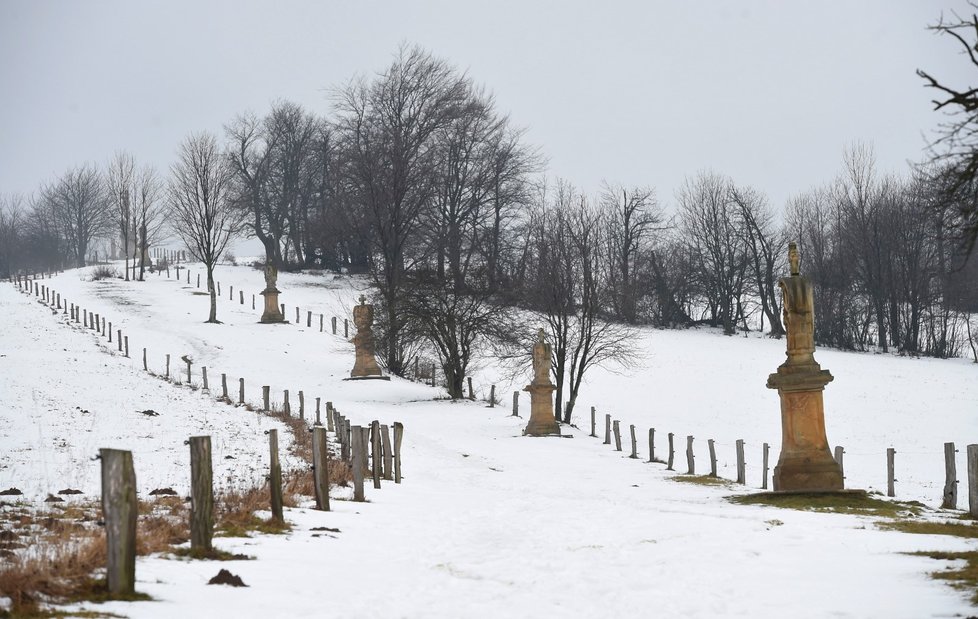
column 488, row 523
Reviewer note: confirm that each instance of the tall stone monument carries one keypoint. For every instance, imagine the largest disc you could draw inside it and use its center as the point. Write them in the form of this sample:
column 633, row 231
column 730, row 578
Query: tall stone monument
column 805, row 464
column 542, row 421
column 365, row 365
column 272, row 311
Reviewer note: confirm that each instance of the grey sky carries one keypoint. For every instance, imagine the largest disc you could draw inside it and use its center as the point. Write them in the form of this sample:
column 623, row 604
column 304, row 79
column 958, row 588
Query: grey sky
column 769, row 93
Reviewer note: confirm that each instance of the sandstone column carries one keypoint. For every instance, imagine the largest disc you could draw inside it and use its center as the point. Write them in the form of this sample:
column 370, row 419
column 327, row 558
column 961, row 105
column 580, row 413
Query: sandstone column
column 272, row 312
column 542, row 421
column 805, row 464
column 365, row 365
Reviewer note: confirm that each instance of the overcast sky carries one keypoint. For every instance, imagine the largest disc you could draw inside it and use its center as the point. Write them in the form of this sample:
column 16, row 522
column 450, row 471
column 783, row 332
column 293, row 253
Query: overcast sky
column 641, row 93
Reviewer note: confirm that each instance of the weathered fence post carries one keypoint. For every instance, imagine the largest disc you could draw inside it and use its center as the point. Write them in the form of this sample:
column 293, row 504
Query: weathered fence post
column 890, row 471
column 119, row 511
column 265, row 396
column 839, row 459
column 275, row 477
column 399, row 435
column 713, row 457
column 321, row 318
column 167, row 367
column 764, row 460
column 126, row 346
column 356, row 433
column 607, row 429
column 119, row 334
column 492, row 396
column 594, row 427
column 187, row 359
column 309, row 318
column 471, row 393
column 631, row 429
column 741, row 464
column 241, row 391
column 286, row 407
column 375, row 452
column 617, row 432
column 516, row 404
column 651, row 444
column 198, row 280
column 329, row 416
column 950, row 478
column 252, row 301
column 973, row 480
column 302, row 405
column 318, row 421
column 385, row 437
column 201, row 495
column 241, row 297
column 230, row 291
column 690, row 458
column 346, row 328
column 672, row 453
column 343, row 431
column 334, row 325
column 145, row 365
column 320, row 467
column 432, row 373
column 203, row 377
column 224, row 386
column 110, row 332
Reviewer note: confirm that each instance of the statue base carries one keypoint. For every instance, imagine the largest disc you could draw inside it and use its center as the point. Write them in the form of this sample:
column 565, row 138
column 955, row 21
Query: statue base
column 368, row 378
column 542, row 421
column 273, row 312
column 806, row 463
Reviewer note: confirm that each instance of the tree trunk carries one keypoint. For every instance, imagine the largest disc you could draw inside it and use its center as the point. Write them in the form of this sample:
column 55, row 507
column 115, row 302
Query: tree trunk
column 213, row 293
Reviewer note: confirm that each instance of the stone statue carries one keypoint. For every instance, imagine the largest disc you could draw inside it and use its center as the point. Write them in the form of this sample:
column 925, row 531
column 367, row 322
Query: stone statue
column 541, row 360
column 542, row 420
column 805, row 463
column 273, row 311
column 271, row 276
column 365, row 365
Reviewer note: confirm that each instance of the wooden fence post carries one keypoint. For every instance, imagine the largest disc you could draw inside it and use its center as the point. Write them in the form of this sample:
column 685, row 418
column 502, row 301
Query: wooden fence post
column 346, row 328
column 318, row 420
column 594, row 427
column 241, row 391
column 950, row 478
column 375, row 452
column 385, row 437
column 631, row 429
column 973, row 480
column 343, row 433
column 275, row 477
column 252, row 301
column 399, row 435
column 224, row 386
column 617, row 432
column 356, row 433
column 126, row 346
column 110, row 332
column 265, row 396
column 651, row 444
column 334, row 325
column 690, row 458
column 713, row 457
column 839, row 459
column 119, row 334
column 320, row 323
column 672, row 453
column 607, row 429
column 890, row 471
column 320, row 467
column 168, row 367
column 201, row 495
column 516, row 404
column 198, row 280
column 764, row 464
column 741, row 464
column 187, row 359
column 471, row 393
column 302, row 405
column 297, row 323
column 241, row 297
column 119, row 511
column 145, row 365
column 230, row 292
column 286, row 407
column 309, row 318
column 203, row 377
column 329, row 417
column 492, row 396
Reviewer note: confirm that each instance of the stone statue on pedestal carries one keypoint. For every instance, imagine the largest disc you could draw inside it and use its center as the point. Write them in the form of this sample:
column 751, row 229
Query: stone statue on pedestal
column 542, row 420
column 365, row 365
column 805, row 463
column 272, row 313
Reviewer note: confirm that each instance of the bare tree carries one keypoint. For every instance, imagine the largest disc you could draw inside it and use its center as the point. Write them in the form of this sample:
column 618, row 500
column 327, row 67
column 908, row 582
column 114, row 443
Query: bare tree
column 79, row 208
column 121, row 187
column 766, row 247
column 202, row 212
column 148, row 213
column 387, row 129
column 12, row 234
column 955, row 150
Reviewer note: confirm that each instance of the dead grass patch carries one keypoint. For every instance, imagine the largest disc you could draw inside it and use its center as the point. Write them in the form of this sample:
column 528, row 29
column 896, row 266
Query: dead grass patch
column 831, row 502
column 702, row 480
column 964, row 578
column 925, row 527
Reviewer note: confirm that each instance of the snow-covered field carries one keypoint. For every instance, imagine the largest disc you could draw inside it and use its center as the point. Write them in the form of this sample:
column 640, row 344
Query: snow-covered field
column 487, row 522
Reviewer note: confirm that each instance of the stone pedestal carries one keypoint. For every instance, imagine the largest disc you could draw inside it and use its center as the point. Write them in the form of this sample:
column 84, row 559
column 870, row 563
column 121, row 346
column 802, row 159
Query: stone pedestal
column 365, row 365
column 806, row 463
column 272, row 311
column 542, row 421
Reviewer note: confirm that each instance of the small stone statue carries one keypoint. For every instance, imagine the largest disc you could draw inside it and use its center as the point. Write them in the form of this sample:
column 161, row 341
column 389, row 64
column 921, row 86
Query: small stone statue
column 365, row 364
column 271, row 276
column 542, row 420
column 541, row 360
column 798, row 313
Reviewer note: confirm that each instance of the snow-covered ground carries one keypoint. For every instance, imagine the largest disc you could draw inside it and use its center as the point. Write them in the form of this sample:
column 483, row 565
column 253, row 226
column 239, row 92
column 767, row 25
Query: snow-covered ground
column 487, row 522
